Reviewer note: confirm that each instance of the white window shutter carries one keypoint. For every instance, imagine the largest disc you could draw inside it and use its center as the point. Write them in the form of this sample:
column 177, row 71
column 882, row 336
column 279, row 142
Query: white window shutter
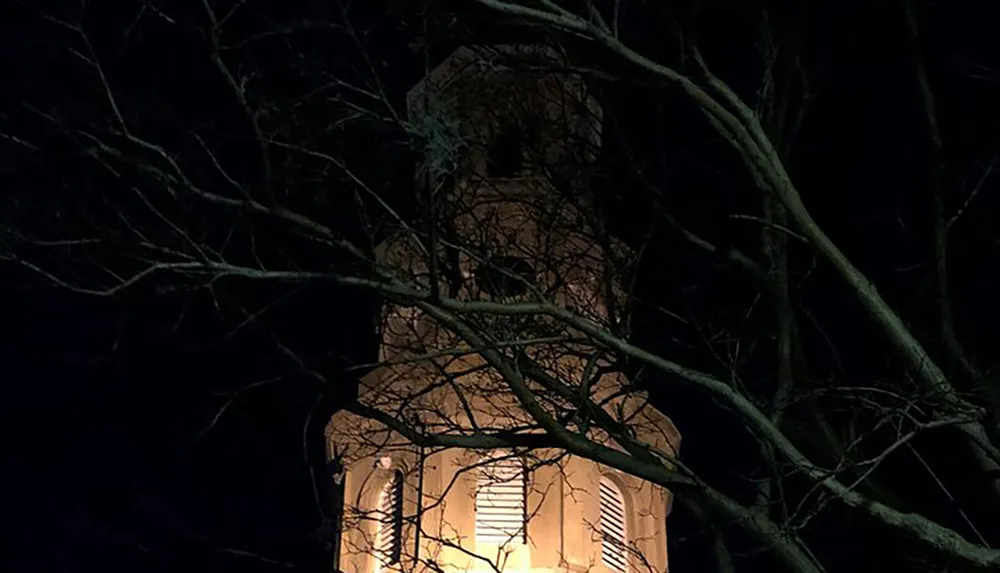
column 614, row 536
column 501, row 510
column 389, row 520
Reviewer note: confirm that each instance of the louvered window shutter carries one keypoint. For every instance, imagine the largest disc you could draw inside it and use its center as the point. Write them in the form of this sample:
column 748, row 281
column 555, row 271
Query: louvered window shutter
column 613, row 532
column 501, row 511
column 389, row 534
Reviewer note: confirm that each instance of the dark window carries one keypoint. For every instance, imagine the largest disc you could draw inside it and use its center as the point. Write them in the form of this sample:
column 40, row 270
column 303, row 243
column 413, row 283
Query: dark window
column 504, row 158
column 505, row 276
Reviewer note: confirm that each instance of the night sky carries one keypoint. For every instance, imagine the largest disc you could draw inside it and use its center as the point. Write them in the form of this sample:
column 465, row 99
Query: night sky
column 122, row 459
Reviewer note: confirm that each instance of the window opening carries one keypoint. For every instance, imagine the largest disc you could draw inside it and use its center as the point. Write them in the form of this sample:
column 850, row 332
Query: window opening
column 612, row 526
column 501, row 511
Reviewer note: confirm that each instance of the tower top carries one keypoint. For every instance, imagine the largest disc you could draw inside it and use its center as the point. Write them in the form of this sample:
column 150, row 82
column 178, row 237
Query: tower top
column 516, row 108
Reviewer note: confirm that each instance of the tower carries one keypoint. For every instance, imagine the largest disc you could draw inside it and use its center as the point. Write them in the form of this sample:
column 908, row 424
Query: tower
column 501, row 128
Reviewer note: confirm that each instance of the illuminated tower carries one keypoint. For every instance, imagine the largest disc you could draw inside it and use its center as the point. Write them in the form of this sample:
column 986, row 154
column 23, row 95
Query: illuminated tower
column 501, row 127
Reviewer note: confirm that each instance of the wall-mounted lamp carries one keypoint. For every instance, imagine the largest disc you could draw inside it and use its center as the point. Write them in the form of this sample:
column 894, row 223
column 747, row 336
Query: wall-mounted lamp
column 336, row 466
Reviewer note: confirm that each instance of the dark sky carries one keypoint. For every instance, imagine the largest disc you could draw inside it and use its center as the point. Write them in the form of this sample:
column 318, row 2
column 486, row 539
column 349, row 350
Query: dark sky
column 110, row 402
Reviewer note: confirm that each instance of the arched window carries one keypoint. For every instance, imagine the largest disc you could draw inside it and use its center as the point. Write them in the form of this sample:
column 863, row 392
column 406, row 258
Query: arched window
column 614, row 535
column 504, row 157
column 389, row 522
column 505, row 276
column 501, row 511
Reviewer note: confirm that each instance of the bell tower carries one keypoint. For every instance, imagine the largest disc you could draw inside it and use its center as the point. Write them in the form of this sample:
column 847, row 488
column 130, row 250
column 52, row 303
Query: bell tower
column 506, row 135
